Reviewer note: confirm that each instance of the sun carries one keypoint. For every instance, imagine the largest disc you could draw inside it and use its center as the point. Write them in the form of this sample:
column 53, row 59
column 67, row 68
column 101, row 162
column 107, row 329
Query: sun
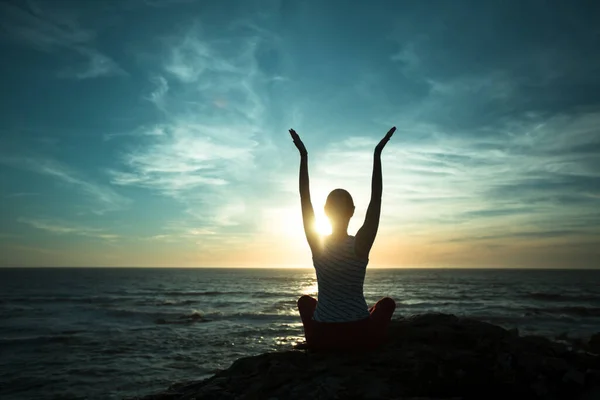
column 322, row 225
column 288, row 221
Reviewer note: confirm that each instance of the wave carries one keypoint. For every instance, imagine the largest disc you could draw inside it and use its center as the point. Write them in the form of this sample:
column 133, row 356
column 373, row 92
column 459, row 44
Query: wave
column 63, row 338
column 20, row 311
column 269, row 295
column 100, row 300
column 166, row 317
column 579, row 311
column 261, row 317
column 453, row 297
column 146, row 299
column 425, row 304
column 163, row 302
column 133, row 313
column 160, row 318
column 256, row 294
column 201, row 293
column 197, row 317
column 175, row 302
column 271, row 331
column 67, row 299
column 560, row 297
column 183, row 319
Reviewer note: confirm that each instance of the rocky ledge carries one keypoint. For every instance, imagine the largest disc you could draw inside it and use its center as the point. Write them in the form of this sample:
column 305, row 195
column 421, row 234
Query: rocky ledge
column 430, row 356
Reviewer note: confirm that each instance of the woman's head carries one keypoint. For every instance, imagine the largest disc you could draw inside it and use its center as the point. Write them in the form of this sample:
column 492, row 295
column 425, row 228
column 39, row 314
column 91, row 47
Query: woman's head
column 339, row 206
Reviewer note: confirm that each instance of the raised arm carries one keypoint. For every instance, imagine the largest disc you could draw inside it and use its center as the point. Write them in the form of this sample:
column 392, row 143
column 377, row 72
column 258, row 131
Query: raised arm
column 366, row 234
column 308, row 213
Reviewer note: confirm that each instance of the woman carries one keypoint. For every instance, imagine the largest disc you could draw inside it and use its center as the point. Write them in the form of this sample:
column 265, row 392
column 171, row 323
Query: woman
column 340, row 319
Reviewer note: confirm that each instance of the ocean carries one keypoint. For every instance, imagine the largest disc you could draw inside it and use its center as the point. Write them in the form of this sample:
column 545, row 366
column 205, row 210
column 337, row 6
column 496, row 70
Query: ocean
column 107, row 333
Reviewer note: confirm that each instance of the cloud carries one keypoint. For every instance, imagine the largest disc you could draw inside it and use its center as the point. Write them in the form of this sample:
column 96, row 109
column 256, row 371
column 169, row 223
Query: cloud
column 187, row 155
column 104, row 197
column 51, row 30
column 529, row 176
column 205, row 151
column 500, row 141
column 157, row 97
column 152, row 130
column 481, row 76
column 64, row 228
column 97, row 65
column 407, row 57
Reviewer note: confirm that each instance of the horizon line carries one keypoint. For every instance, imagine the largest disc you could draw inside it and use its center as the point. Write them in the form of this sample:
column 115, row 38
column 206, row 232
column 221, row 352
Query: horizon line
column 296, row 267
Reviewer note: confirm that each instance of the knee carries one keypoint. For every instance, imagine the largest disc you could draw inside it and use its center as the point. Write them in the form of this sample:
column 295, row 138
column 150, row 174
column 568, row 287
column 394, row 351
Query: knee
column 305, row 300
column 387, row 303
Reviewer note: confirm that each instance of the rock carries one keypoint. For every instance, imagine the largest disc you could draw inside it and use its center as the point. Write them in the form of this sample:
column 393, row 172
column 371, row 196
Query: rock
column 592, row 377
column 574, row 376
column 540, row 388
column 428, row 356
column 555, row 364
column 591, row 394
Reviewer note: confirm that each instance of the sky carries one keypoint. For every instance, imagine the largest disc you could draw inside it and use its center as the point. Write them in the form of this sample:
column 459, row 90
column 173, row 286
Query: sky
column 154, row 132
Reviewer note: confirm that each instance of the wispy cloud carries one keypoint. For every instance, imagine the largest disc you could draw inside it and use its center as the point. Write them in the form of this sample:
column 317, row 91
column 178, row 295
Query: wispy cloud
column 97, row 65
column 157, row 97
column 203, row 153
column 152, row 130
column 533, row 175
column 64, row 228
column 103, row 197
column 51, row 30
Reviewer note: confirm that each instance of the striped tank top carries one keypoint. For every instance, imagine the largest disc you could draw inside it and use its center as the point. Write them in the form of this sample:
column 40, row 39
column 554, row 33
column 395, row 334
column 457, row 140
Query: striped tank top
column 340, row 278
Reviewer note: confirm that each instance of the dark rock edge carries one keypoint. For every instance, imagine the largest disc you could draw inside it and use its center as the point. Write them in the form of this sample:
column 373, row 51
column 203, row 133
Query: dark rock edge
column 428, row 356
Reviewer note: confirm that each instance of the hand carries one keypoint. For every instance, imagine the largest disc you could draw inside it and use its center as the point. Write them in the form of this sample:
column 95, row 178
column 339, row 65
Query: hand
column 298, row 143
column 383, row 142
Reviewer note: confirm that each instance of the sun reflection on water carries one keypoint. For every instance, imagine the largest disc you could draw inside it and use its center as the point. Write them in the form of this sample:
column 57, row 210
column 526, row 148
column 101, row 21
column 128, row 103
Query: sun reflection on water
column 310, row 288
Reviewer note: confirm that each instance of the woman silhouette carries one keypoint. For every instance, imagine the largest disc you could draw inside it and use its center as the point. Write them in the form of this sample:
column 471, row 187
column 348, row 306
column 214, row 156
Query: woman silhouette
column 340, row 319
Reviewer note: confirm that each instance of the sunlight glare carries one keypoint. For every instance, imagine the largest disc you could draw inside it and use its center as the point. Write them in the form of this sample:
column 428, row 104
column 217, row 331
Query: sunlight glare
column 322, row 225
column 288, row 221
column 310, row 289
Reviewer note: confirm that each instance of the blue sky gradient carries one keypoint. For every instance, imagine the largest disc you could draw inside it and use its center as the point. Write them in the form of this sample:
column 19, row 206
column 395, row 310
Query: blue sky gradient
column 154, row 132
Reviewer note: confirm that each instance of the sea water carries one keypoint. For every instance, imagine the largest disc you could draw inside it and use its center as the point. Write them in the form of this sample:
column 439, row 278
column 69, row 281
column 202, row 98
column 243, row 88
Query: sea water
column 102, row 333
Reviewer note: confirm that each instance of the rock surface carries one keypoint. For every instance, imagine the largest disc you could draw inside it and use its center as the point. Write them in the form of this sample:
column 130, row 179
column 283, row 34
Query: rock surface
column 430, row 356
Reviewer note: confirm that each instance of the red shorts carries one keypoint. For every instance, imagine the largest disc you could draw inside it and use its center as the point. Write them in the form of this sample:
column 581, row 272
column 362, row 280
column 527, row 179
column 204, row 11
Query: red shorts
column 363, row 334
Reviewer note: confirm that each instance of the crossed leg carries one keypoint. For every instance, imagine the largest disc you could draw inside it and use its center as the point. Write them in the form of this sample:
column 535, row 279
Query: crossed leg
column 381, row 315
column 307, row 306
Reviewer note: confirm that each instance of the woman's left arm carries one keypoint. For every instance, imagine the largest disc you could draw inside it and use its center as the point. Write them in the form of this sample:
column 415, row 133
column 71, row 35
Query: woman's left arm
column 308, row 213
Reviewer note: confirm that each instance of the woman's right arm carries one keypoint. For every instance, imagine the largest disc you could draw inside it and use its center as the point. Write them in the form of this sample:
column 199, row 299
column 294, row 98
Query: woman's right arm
column 365, row 237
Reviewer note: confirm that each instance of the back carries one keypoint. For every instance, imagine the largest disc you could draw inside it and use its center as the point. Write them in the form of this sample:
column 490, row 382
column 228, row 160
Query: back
column 340, row 277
